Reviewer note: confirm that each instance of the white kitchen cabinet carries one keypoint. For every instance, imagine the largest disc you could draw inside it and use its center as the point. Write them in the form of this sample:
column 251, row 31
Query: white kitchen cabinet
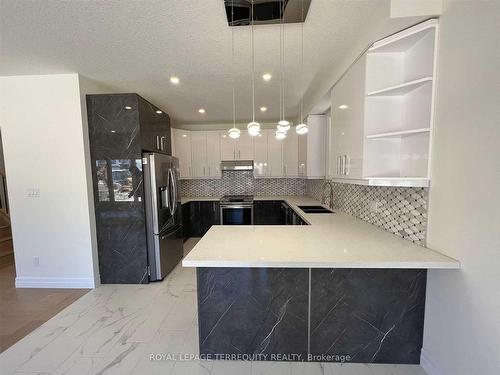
column 312, row 148
column 382, row 108
column 260, row 165
column 244, row 146
column 291, row 154
column 227, row 146
column 347, row 123
column 274, row 154
column 181, row 148
column 199, row 167
column 268, row 155
column 198, row 153
column 236, row 149
column 213, row 154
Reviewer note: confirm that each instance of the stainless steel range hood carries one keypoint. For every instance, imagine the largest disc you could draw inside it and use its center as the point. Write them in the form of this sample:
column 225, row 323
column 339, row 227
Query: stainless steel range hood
column 237, row 165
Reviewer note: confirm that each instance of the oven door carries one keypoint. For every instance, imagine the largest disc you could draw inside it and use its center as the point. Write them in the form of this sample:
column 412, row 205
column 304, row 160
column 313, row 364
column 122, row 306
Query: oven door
column 236, row 214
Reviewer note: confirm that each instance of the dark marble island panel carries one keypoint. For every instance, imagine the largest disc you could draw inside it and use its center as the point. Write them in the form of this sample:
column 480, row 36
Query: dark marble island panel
column 253, row 311
column 327, row 315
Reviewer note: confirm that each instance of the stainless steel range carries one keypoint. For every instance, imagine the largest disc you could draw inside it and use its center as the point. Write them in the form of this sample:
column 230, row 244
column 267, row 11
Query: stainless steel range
column 236, row 210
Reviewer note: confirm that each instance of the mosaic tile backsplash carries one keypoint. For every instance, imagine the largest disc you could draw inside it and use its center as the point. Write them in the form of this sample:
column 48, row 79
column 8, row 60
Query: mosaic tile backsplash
column 242, row 182
column 399, row 210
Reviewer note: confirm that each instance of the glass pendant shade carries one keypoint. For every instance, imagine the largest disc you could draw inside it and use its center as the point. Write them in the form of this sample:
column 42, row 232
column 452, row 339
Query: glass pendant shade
column 234, row 133
column 283, row 126
column 302, row 129
column 280, row 134
column 253, row 128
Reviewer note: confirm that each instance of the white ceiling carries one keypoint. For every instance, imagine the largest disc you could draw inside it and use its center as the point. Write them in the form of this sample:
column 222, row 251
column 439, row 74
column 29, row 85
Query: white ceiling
column 135, row 46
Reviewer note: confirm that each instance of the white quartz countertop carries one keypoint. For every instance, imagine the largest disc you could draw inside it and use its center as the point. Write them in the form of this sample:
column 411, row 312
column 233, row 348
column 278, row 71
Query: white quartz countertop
column 330, row 241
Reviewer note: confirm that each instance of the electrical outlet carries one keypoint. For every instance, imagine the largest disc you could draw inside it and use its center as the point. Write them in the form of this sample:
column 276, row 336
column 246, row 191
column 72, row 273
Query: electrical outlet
column 36, row 261
column 33, row 192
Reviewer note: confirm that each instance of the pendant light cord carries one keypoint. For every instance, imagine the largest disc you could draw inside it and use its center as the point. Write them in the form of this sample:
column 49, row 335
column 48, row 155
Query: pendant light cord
column 302, row 64
column 281, row 60
column 253, row 71
column 232, row 62
column 283, row 56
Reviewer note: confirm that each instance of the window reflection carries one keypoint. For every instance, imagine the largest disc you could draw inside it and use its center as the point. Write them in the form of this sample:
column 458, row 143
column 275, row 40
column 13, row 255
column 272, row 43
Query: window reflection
column 126, row 177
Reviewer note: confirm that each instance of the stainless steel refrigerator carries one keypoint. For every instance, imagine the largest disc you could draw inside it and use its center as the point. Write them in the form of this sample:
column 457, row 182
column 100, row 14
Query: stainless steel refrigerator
column 163, row 213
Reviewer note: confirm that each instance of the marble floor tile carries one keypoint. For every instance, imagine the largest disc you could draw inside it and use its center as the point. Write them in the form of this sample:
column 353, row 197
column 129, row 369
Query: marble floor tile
column 271, row 368
column 115, row 329
column 193, row 368
column 232, row 367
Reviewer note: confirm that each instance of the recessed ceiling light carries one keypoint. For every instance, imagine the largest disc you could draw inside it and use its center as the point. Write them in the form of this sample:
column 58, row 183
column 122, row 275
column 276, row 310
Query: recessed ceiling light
column 158, row 111
column 175, row 80
column 343, row 106
column 267, row 76
column 128, row 107
column 184, row 135
column 113, row 131
column 201, row 110
column 263, row 109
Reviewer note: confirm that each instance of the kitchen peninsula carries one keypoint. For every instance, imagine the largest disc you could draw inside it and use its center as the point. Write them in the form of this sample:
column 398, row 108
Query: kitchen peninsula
column 338, row 289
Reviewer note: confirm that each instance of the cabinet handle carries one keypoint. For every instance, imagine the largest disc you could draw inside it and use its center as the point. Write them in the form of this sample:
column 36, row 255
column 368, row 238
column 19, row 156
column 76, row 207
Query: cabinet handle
column 348, row 165
column 239, row 154
column 234, row 154
column 204, row 174
column 209, row 171
column 158, row 142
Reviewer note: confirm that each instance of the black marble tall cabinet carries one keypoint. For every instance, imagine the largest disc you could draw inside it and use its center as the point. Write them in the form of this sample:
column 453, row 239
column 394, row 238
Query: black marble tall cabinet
column 121, row 127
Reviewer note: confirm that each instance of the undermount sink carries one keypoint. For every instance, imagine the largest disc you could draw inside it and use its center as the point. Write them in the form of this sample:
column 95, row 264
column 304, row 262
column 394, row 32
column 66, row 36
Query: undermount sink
column 315, row 210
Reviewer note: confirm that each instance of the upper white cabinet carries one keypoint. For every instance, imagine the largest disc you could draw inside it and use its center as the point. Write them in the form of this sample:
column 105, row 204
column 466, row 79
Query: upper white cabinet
column 236, row 149
column 312, row 148
column 291, row 154
column 213, row 154
column 268, row 151
column 181, row 148
column 199, row 167
column 347, row 117
column 198, row 153
column 381, row 134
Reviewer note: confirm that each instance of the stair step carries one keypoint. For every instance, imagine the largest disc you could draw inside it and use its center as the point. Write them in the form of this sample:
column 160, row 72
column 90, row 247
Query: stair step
column 6, row 247
column 7, row 259
column 4, row 239
column 5, row 232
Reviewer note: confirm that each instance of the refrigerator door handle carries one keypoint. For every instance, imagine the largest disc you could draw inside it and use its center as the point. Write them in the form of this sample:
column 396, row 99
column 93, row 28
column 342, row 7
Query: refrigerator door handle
column 164, row 197
column 173, row 191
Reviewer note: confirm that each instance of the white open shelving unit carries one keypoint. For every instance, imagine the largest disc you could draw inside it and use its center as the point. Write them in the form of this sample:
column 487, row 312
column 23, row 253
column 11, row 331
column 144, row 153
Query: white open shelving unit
column 399, row 105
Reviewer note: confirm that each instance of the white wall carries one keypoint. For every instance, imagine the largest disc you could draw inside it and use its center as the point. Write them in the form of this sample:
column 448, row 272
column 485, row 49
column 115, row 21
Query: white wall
column 462, row 323
column 44, row 148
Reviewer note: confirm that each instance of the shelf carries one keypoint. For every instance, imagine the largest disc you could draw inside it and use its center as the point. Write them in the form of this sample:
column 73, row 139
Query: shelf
column 385, row 181
column 398, row 134
column 404, row 40
column 401, row 89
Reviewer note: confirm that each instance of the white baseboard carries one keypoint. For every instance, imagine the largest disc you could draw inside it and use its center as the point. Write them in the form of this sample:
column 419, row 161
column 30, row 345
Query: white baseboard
column 427, row 364
column 55, row 282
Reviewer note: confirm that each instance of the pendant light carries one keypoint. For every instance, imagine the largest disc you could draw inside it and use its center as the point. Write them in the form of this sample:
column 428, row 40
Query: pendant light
column 283, row 125
column 302, row 128
column 234, row 132
column 253, row 127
